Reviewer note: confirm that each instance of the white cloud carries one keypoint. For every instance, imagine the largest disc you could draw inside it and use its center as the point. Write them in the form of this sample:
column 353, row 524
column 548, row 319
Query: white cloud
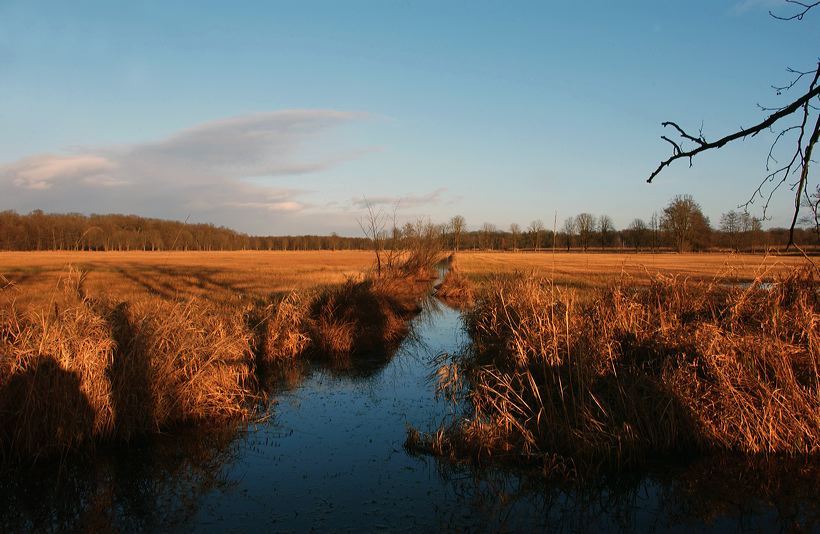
column 205, row 167
column 278, row 206
column 40, row 172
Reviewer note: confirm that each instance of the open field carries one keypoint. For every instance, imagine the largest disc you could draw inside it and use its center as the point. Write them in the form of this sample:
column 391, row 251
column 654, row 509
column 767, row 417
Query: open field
column 584, row 270
column 220, row 277
column 231, row 277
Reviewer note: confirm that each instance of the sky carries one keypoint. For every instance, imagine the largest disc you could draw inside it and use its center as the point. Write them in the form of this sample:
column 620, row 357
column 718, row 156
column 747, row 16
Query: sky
column 289, row 117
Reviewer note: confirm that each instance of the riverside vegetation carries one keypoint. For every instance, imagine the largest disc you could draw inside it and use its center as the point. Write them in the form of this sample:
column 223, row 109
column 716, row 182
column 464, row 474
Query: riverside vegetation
column 85, row 370
column 569, row 381
column 560, row 375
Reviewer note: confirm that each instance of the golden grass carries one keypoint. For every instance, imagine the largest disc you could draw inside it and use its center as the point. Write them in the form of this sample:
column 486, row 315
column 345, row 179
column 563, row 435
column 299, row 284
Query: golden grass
column 79, row 365
column 84, row 370
column 224, row 278
column 236, row 278
column 631, row 372
column 145, row 341
column 455, row 288
column 598, row 270
column 283, row 329
column 364, row 317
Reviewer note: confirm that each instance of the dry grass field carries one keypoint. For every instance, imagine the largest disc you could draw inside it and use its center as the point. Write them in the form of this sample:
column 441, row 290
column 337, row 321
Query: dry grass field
column 599, row 269
column 234, row 277
column 219, row 277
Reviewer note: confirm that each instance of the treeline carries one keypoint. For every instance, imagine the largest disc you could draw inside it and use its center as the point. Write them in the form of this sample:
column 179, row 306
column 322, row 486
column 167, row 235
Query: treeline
column 680, row 226
column 74, row 231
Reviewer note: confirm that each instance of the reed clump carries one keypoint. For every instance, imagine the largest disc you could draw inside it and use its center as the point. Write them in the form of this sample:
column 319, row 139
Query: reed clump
column 84, row 371
column 455, row 288
column 54, row 394
column 363, row 316
column 282, row 329
column 196, row 363
column 675, row 367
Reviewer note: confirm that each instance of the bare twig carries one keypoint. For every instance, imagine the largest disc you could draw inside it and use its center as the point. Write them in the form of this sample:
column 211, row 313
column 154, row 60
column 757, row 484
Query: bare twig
column 740, row 134
column 800, row 14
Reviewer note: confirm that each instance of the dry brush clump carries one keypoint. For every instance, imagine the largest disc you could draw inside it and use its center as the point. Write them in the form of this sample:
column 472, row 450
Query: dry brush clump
column 281, row 328
column 678, row 366
column 195, row 362
column 84, row 371
column 455, row 288
column 363, row 316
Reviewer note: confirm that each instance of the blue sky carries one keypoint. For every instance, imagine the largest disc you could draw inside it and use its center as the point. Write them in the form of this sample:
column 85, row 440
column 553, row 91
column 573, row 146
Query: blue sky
column 274, row 117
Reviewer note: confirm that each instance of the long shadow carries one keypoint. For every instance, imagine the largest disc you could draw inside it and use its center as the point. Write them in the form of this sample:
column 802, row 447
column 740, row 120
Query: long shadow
column 43, row 411
column 130, row 376
column 206, row 280
column 186, row 282
column 128, row 274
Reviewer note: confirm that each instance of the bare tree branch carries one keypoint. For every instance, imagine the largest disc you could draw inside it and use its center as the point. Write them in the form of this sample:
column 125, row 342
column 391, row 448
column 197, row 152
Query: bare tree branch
column 800, row 160
column 804, row 177
column 800, row 14
column 740, row 134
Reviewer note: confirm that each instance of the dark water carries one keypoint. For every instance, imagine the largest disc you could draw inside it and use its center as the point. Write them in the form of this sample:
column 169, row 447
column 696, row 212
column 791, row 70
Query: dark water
column 331, row 458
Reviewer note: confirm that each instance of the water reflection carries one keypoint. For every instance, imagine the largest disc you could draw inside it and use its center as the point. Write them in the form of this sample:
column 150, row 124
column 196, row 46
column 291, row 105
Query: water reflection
column 714, row 493
column 153, row 484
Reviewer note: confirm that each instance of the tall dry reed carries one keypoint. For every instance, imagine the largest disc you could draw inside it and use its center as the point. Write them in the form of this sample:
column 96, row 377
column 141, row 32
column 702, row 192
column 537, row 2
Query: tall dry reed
column 455, row 288
column 85, row 370
column 679, row 366
column 363, row 316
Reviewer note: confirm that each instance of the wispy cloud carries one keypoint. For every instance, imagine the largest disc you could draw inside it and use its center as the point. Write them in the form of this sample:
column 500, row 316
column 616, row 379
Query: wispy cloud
column 405, row 201
column 206, row 167
column 744, row 6
column 40, row 172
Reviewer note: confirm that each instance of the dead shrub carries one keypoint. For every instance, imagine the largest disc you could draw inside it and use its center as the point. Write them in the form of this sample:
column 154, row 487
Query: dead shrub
column 285, row 330
column 359, row 317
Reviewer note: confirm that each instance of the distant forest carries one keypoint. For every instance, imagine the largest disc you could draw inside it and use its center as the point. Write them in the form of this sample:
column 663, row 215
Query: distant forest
column 46, row 231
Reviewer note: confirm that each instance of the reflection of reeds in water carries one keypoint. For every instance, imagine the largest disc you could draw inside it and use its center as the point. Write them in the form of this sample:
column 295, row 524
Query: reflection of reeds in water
column 152, row 485
column 761, row 493
column 634, row 372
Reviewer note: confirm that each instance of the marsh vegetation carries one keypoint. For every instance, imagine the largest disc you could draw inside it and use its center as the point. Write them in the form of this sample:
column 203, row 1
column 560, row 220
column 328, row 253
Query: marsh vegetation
column 571, row 382
column 614, row 367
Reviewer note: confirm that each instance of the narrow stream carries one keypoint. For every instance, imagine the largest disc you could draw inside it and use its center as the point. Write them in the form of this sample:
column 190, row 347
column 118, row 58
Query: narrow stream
column 331, row 458
column 332, row 455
